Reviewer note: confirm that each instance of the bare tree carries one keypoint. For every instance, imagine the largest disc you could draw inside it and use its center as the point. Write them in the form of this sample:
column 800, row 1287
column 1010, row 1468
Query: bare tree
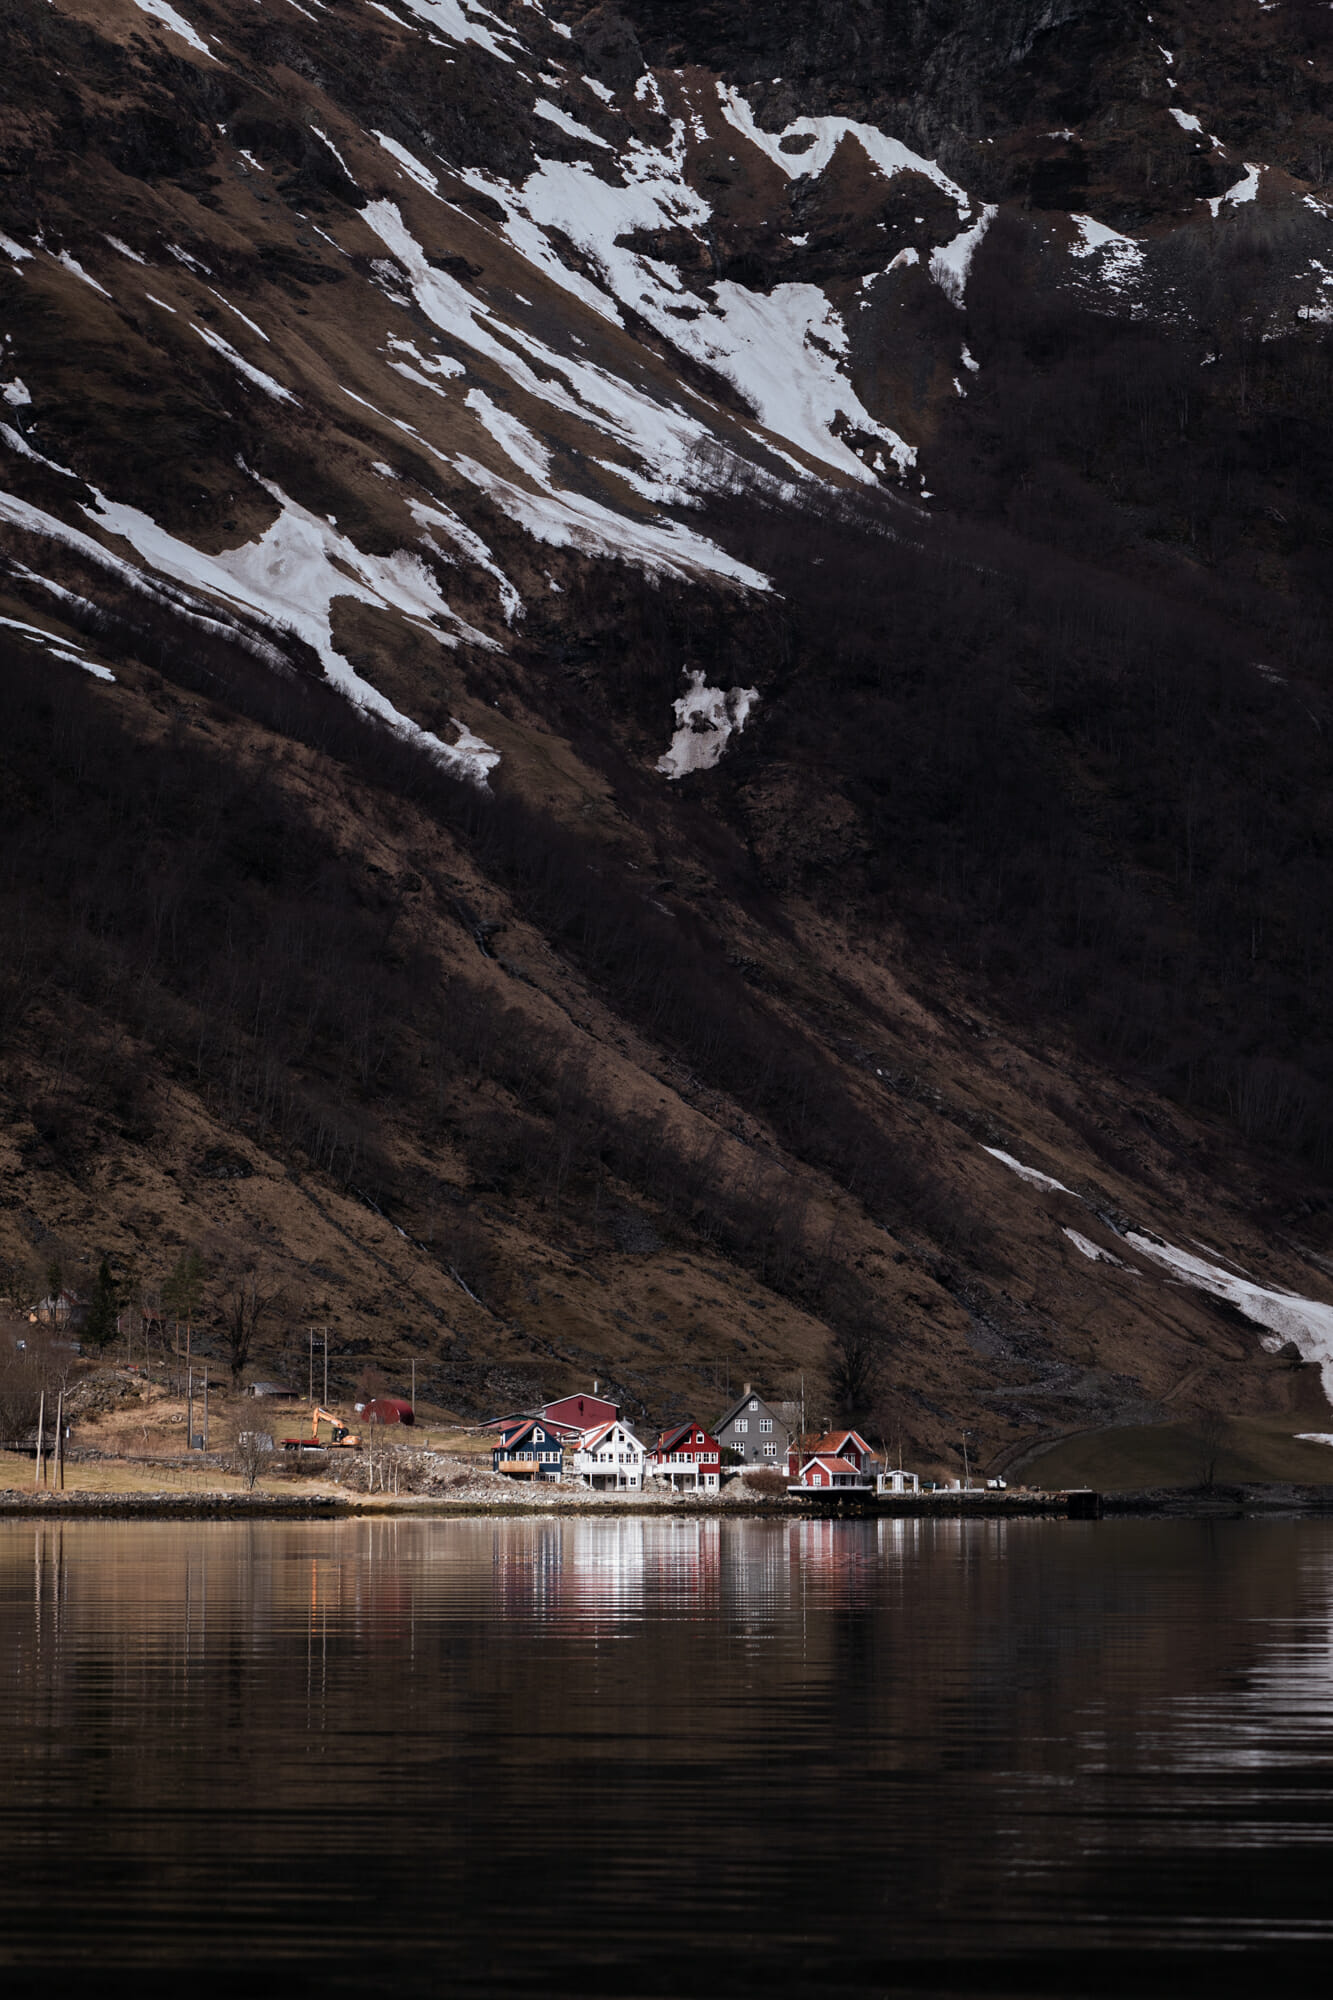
column 244, row 1309
column 20, row 1287
column 856, row 1369
column 252, row 1455
column 1209, row 1436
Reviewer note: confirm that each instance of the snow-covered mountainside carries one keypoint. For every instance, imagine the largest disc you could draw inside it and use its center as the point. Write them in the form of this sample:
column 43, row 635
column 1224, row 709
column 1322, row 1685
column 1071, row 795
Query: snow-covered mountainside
column 802, row 535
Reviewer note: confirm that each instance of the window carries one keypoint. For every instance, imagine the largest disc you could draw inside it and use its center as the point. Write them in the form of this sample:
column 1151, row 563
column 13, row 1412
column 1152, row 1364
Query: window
column 754, row 1402
column 765, row 1423
column 741, row 1424
column 770, row 1451
column 699, row 1436
column 739, row 1450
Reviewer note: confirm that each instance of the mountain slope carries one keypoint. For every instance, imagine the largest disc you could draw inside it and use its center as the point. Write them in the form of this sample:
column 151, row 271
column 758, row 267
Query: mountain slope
column 701, row 631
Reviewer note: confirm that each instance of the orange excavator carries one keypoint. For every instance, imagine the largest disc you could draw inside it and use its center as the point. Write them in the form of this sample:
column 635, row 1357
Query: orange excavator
column 343, row 1439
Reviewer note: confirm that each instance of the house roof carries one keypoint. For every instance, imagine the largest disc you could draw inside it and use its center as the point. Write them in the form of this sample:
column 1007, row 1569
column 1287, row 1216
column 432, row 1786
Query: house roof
column 518, row 1429
column 588, row 1439
column 741, row 1403
column 830, row 1464
column 836, row 1441
column 678, row 1434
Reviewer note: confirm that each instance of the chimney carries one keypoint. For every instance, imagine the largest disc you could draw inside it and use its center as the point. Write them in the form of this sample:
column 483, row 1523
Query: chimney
column 747, row 1389
column 596, row 1385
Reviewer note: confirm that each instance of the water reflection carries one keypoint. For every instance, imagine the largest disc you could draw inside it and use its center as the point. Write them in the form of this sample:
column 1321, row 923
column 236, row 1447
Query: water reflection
column 835, row 1755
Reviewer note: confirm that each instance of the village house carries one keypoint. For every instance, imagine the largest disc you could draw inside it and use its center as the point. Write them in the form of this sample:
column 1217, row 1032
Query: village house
column 845, row 1444
column 821, row 1474
column 753, row 1430
column 528, row 1449
column 609, row 1457
column 688, row 1458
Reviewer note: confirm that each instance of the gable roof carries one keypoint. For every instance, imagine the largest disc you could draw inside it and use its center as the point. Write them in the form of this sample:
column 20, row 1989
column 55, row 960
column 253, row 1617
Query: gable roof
column 515, row 1431
column 588, row 1440
column 830, row 1464
column 678, row 1434
column 836, row 1440
column 743, row 1403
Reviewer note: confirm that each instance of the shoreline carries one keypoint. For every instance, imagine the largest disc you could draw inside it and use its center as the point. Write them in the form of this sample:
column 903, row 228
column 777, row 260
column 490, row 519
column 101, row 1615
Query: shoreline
column 1223, row 1503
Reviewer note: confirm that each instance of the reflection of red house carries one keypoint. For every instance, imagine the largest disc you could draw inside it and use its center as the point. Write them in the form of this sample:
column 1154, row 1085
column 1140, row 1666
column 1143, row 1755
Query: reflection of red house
column 581, row 1413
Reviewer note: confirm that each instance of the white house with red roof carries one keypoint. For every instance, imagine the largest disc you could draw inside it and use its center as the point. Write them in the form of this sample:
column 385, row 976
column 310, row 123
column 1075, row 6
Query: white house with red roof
column 688, row 1458
column 608, row 1456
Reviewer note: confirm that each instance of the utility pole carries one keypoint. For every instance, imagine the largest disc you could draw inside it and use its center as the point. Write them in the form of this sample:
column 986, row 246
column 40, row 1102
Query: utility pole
column 310, row 1336
column 414, row 1385
column 324, row 1335
column 60, row 1441
column 967, row 1476
column 39, row 1463
column 205, row 1409
column 189, row 1407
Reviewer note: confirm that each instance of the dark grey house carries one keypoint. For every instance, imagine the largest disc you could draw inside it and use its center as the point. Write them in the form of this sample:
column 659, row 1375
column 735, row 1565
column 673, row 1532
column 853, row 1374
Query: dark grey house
column 753, row 1429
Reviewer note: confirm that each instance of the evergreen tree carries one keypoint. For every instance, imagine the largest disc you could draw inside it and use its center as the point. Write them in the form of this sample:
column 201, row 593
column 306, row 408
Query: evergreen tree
column 99, row 1328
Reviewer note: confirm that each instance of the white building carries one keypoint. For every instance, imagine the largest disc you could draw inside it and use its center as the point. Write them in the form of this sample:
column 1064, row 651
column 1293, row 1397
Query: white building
column 609, row 1457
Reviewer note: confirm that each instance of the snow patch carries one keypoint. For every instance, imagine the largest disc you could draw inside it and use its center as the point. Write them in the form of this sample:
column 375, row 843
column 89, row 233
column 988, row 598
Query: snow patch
column 1121, row 257
column 1185, row 119
column 124, row 250
column 449, row 18
column 889, row 155
column 555, row 116
column 706, row 718
column 1027, row 1173
column 1304, row 1323
column 75, row 268
column 1093, row 1251
column 158, row 10
column 1245, row 189
column 14, row 251
column 564, row 519
column 242, row 366
column 410, row 165
column 61, row 649
column 290, row 576
column 951, row 263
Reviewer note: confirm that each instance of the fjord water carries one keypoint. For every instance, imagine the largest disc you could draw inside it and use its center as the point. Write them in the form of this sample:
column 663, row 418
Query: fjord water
column 666, row 1756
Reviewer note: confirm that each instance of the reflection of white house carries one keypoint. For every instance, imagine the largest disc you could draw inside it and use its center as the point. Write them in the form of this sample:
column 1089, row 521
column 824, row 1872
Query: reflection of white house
column 608, row 1457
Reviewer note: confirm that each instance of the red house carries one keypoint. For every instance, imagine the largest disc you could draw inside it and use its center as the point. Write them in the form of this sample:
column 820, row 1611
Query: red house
column 688, row 1457
column 848, row 1445
column 819, row 1474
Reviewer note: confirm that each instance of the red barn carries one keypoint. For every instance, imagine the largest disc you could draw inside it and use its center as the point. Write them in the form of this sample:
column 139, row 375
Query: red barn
column 387, row 1410
column 580, row 1413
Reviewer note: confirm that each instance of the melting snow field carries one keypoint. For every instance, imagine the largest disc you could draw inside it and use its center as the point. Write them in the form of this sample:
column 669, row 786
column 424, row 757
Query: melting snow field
column 1304, row 1323
column 291, row 575
column 1027, row 1173
column 158, row 10
column 706, row 718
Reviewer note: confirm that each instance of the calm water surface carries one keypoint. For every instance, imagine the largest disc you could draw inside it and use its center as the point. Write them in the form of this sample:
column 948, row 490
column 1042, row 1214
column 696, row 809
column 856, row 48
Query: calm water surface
column 695, row 1757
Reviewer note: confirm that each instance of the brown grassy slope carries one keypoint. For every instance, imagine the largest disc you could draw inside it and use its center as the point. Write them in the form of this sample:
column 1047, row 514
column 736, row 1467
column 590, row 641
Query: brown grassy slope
column 1008, row 1331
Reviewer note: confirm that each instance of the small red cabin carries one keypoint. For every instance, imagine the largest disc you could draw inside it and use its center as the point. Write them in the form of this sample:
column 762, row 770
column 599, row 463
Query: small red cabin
column 386, row 1410
column 821, row 1473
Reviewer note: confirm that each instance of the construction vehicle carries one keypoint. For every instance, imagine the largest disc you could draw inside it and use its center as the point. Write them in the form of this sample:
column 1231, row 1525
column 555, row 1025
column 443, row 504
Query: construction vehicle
column 343, row 1439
